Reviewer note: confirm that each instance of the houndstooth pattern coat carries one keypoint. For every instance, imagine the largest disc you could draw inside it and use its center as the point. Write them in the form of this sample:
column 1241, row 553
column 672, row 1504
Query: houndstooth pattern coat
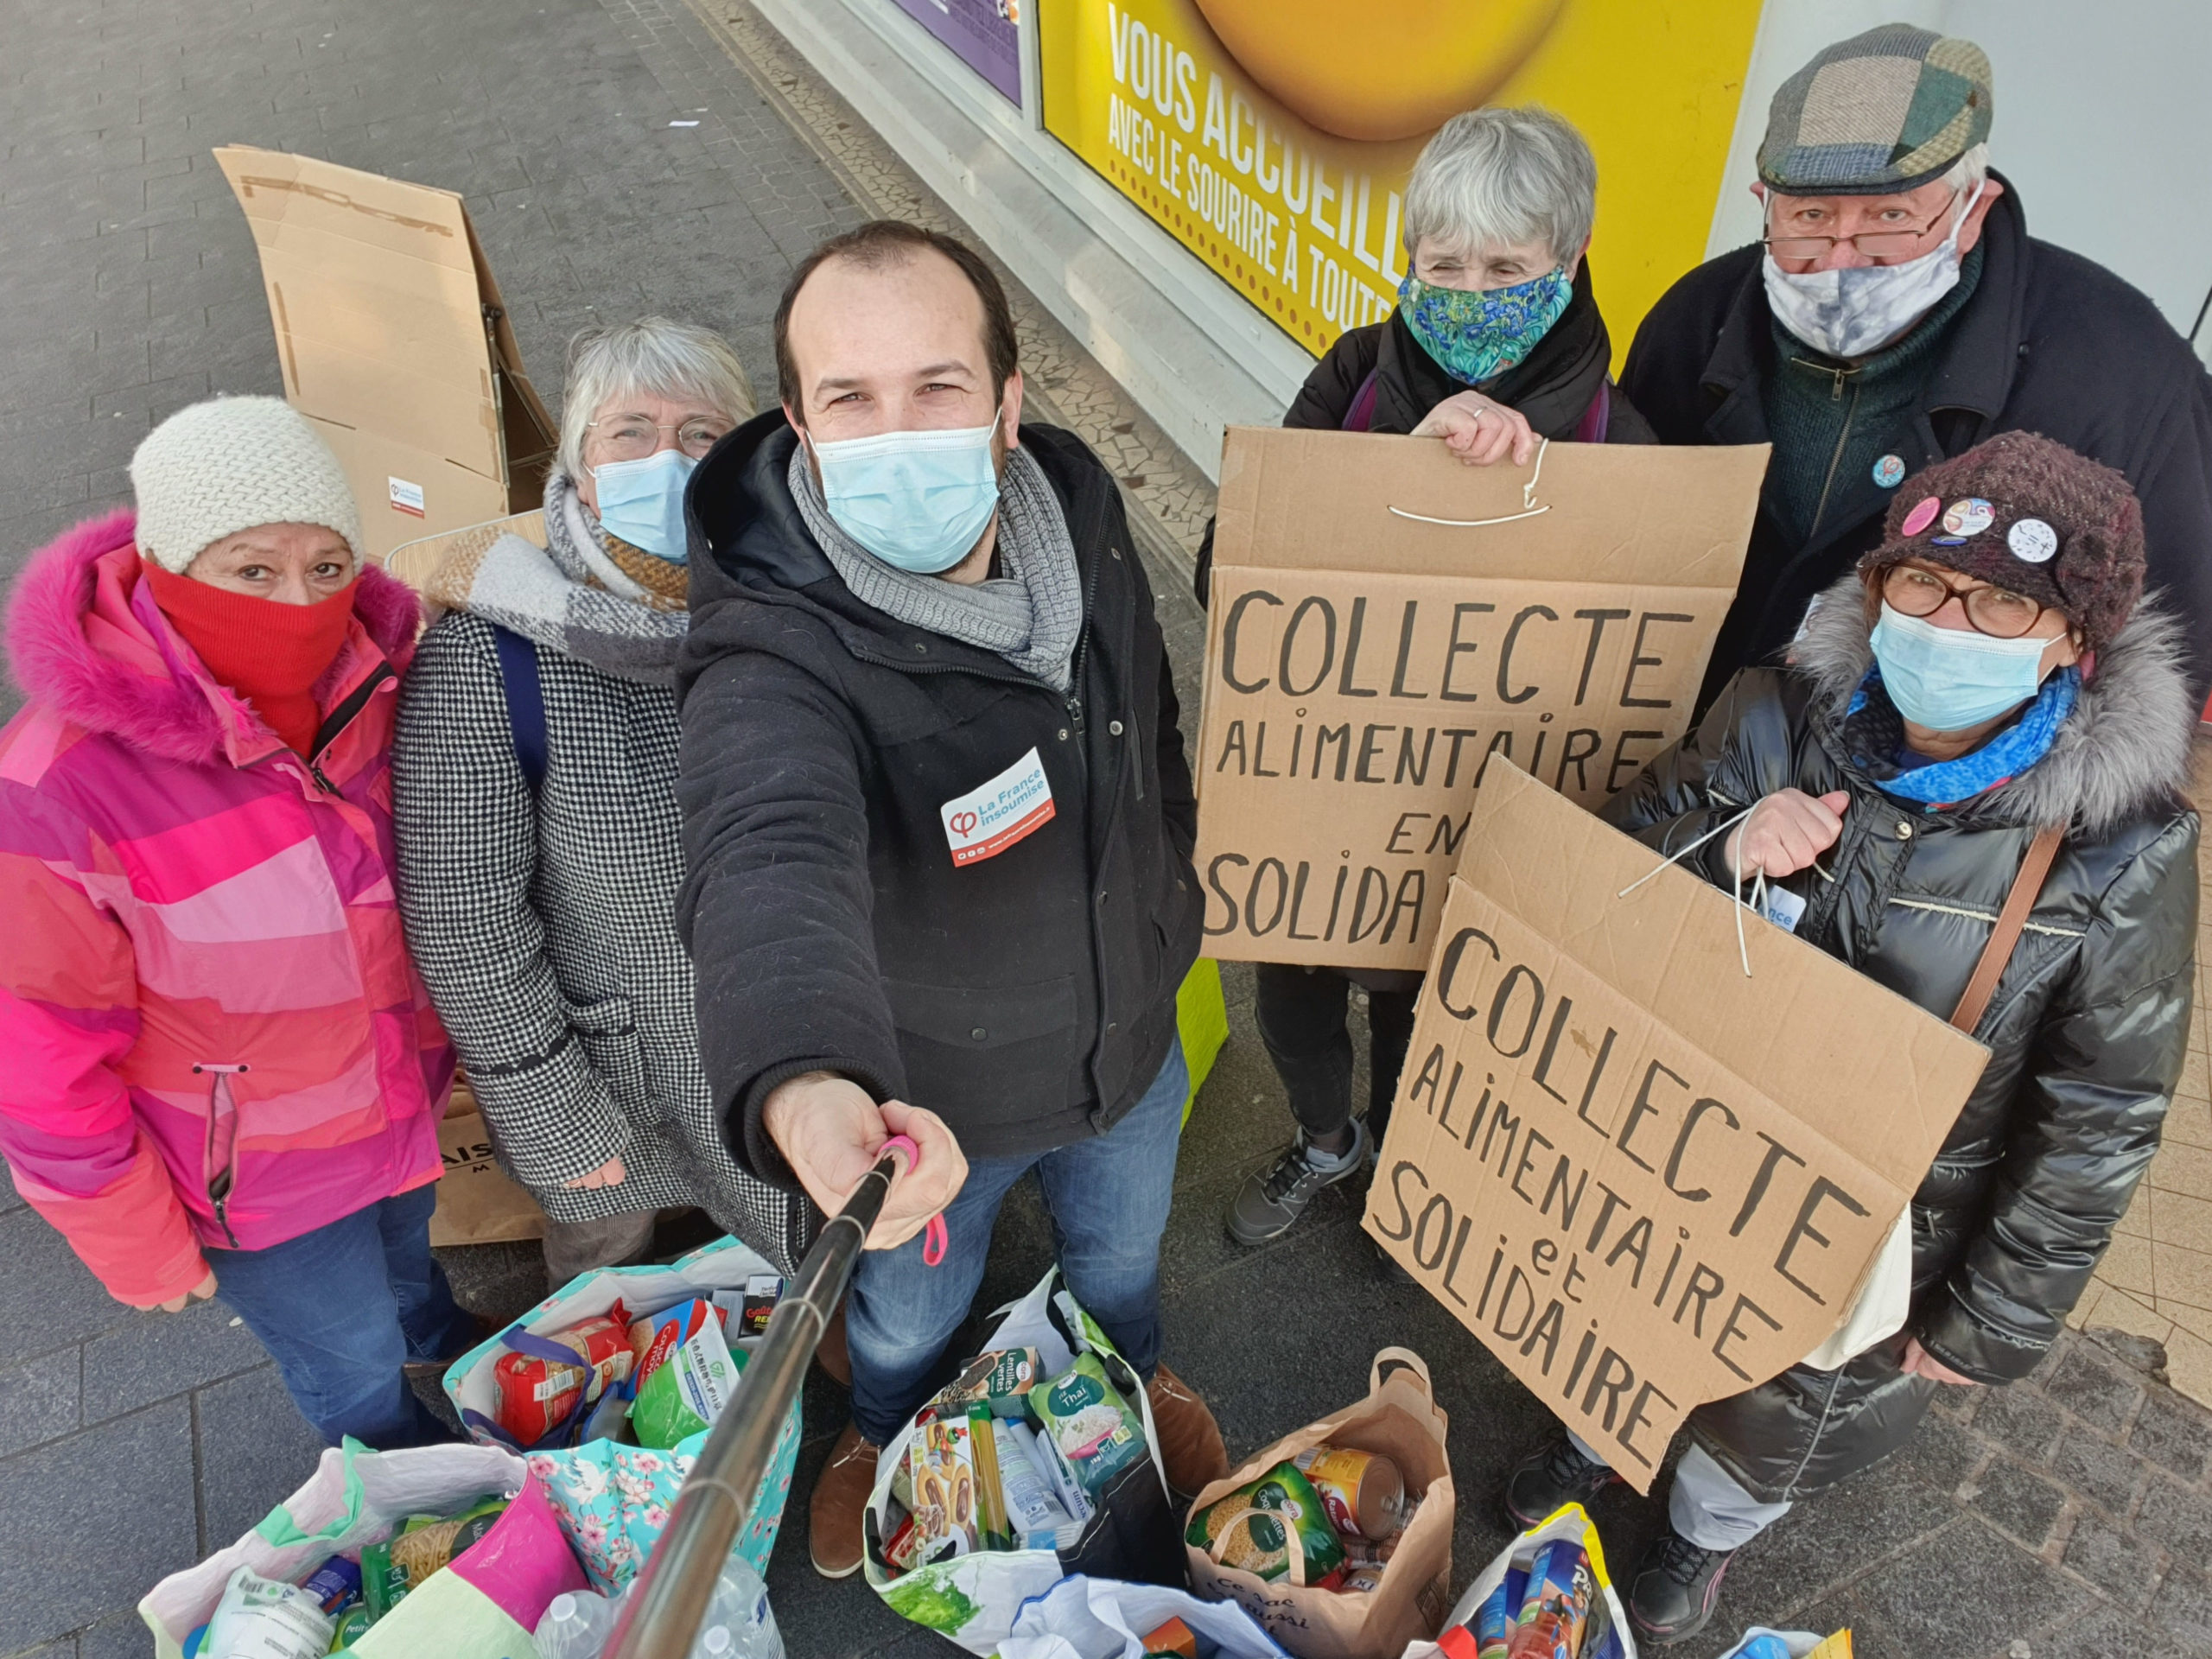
column 544, row 929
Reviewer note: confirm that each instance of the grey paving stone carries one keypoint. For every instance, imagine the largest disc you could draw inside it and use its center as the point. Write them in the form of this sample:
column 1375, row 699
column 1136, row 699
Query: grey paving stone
column 151, row 1359
column 255, row 1450
column 124, row 1637
column 47, row 1298
column 88, row 1523
column 2018, row 1418
column 2094, row 1388
column 1826, row 1539
column 2118, row 1565
column 2114, row 1633
column 38, row 1398
column 2174, row 1433
column 2183, row 1607
column 2023, row 1504
column 1941, row 1453
column 2179, row 1519
column 2104, row 1473
column 1964, row 1593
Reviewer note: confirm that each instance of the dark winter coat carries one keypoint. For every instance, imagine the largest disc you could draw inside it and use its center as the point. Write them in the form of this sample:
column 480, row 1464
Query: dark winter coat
column 1028, row 998
column 2088, row 1028
column 1554, row 390
column 2048, row 343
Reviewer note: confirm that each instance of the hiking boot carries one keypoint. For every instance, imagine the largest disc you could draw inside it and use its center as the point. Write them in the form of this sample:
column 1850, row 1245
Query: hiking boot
column 840, row 1492
column 1271, row 1204
column 1190, row 1440
column 1676, row 1587
column 1553, row 1474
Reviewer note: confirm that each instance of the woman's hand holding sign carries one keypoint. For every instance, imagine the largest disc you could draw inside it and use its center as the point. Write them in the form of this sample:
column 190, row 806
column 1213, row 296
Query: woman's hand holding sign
column 1480, row 430
column 1786, row 831
column 832, row 1133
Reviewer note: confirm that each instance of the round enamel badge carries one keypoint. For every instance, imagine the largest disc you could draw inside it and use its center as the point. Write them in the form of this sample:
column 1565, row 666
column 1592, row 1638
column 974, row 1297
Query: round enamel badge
column 2033, row 540
column 1922, row 515
column 1889, row 471
column 1968, row 515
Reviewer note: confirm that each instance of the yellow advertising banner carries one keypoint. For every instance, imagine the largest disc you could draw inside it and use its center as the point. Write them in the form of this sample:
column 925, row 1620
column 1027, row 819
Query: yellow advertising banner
column 1273, row 137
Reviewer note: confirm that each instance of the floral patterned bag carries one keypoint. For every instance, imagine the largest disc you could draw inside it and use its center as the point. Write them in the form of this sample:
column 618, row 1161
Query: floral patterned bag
column 614, row 1500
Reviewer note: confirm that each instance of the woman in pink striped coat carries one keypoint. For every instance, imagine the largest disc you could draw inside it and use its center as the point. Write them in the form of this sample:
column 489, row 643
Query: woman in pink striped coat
column 224, row 1077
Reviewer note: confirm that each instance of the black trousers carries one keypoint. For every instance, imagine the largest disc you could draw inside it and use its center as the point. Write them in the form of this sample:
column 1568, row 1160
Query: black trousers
column 1301, row 1018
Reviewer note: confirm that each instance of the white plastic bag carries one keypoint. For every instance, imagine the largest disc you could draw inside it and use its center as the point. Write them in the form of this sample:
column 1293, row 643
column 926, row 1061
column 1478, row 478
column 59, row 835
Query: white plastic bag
column 355, row 1496
column 1882, row 1303
column 1084, row 1617
column 1607, row 1636
column 972, row 1598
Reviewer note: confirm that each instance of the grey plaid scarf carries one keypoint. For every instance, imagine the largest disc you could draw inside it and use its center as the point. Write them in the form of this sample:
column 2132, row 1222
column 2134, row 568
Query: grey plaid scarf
column 1030, row 616
column 571, row 595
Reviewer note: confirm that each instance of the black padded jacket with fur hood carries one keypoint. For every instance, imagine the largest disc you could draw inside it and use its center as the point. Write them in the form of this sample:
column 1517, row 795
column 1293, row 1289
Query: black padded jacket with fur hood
column 2088, row 1028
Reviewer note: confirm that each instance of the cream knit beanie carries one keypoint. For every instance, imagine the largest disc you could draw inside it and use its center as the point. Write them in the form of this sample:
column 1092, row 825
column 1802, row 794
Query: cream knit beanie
column 213, row 469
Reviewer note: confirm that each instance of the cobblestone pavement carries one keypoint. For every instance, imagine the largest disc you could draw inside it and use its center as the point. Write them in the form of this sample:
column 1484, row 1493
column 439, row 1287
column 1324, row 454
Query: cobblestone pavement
column 2070, row 1515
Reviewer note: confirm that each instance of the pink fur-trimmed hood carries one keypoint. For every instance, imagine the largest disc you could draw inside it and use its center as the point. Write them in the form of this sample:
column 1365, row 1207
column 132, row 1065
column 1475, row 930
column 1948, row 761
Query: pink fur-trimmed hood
column 79, row 645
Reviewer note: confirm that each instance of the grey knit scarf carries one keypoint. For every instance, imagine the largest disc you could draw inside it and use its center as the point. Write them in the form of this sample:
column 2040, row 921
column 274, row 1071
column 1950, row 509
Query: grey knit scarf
column 571, row 595
column 1031, row 617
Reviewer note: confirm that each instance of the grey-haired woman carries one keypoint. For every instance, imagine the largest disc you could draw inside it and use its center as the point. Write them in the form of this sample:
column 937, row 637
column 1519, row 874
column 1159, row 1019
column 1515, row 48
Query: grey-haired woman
column 1496, row 343
column 539, row 851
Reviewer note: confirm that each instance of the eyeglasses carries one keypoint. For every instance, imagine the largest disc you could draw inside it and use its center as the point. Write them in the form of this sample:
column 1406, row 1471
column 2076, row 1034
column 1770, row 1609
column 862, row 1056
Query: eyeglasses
column 1871, row 244
column 633, row 437
column 1997, row 611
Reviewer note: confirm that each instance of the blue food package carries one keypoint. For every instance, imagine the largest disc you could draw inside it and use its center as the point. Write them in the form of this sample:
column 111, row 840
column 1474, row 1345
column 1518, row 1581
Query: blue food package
column 333, row 1584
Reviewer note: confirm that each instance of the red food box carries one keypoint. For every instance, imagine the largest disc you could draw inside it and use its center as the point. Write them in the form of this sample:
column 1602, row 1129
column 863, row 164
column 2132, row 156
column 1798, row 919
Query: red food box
column 535, row 1394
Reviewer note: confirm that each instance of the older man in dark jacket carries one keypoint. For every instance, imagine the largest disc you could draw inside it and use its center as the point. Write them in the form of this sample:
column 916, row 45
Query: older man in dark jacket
column 1984, row 707
column 1899, row 312
column 939, row 826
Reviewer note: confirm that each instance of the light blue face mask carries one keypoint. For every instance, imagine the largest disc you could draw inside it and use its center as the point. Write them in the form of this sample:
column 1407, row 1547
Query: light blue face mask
column 642, row 502
column 1948, row 679
column 916, row 500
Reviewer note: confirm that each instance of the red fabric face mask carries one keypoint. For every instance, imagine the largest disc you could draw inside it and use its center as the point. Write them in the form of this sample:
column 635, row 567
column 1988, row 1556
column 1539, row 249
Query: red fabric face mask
column 268, row 653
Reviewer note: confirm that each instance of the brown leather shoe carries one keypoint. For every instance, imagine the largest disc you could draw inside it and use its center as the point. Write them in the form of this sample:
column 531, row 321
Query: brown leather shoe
column 1190, row 1440
column 830, row 1353
column 840, row 1499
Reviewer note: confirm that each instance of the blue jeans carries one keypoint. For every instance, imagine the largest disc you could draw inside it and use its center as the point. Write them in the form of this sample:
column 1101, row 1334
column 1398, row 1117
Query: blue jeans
column 1108, row 1197
column 342, row 1308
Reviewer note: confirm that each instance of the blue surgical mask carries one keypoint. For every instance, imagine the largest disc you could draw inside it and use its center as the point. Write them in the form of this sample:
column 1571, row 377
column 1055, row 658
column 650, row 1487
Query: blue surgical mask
column 1948, row 679
column 642, row 502
column 1474, row 334
column 916, row 500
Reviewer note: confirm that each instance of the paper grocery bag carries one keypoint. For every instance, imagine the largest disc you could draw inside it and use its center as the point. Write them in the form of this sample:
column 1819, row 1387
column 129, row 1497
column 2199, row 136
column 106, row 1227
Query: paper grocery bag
column 478, row 1202
column 1400, row 1419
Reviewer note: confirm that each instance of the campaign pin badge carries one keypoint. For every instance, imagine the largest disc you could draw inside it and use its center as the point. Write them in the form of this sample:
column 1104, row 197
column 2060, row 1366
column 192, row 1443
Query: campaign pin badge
column 1946, row 541
column 2033, row 540
column 1889, row 471
column 1968, row 515
column 1922, row 515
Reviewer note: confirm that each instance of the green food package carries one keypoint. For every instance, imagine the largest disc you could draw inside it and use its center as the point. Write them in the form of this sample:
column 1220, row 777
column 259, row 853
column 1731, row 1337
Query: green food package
column 1087, row 1419
column 687, row 1391
column 383, row 1584
column 1254, row 1518
column 351, row 1625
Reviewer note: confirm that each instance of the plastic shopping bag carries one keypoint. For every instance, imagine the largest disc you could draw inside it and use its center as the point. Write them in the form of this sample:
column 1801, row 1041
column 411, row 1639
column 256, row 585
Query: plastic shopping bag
column 1606, row 1635
column 972, row 1598
column 355, row 1496
column 1799, row 1645
column 1103, row 1619
column 614, row 1500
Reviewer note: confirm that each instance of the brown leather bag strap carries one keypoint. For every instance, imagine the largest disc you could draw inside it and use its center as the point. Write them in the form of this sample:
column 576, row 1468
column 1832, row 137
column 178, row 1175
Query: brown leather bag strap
column 2018, row 903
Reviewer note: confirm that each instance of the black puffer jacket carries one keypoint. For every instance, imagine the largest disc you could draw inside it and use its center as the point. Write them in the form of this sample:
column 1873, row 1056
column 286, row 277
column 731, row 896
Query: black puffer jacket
column 1028, row 998
column 2086, row 1031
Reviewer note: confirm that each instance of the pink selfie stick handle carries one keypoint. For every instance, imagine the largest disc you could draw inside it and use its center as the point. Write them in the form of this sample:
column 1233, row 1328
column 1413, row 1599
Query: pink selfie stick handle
column 934, row 1237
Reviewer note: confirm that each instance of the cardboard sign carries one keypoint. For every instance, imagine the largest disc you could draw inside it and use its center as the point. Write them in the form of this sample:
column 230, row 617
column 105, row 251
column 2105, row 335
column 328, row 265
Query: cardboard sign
column 478, row 1202
column 1385, row 618
column 395, row 342
column 1643, row 1180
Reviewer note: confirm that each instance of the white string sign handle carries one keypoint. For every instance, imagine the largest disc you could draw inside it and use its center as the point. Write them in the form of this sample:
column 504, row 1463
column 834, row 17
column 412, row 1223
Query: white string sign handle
column 1756, row 905
column 1529, row 509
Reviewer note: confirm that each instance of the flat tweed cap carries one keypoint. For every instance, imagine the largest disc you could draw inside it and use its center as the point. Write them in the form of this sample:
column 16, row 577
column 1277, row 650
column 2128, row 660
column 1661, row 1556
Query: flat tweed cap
column 2023, row 511
column 1880, row 113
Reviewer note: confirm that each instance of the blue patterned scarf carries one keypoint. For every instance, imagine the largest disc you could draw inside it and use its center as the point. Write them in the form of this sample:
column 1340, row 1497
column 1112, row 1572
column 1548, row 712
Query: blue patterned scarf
column 1872, row 724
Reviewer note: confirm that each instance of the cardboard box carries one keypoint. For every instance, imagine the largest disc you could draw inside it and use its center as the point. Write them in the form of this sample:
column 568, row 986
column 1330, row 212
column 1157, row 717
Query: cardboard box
column 1385, row 618
column 1643, row 1179
column 394, row 340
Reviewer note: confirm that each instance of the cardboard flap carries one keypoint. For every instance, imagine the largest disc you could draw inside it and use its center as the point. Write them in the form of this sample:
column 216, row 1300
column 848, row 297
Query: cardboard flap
column 1385, row 619
column 1643, row 1180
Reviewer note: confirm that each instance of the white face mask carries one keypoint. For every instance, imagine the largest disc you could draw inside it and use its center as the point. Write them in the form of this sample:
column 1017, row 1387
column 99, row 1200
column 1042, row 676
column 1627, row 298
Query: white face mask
column 1849, row 313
